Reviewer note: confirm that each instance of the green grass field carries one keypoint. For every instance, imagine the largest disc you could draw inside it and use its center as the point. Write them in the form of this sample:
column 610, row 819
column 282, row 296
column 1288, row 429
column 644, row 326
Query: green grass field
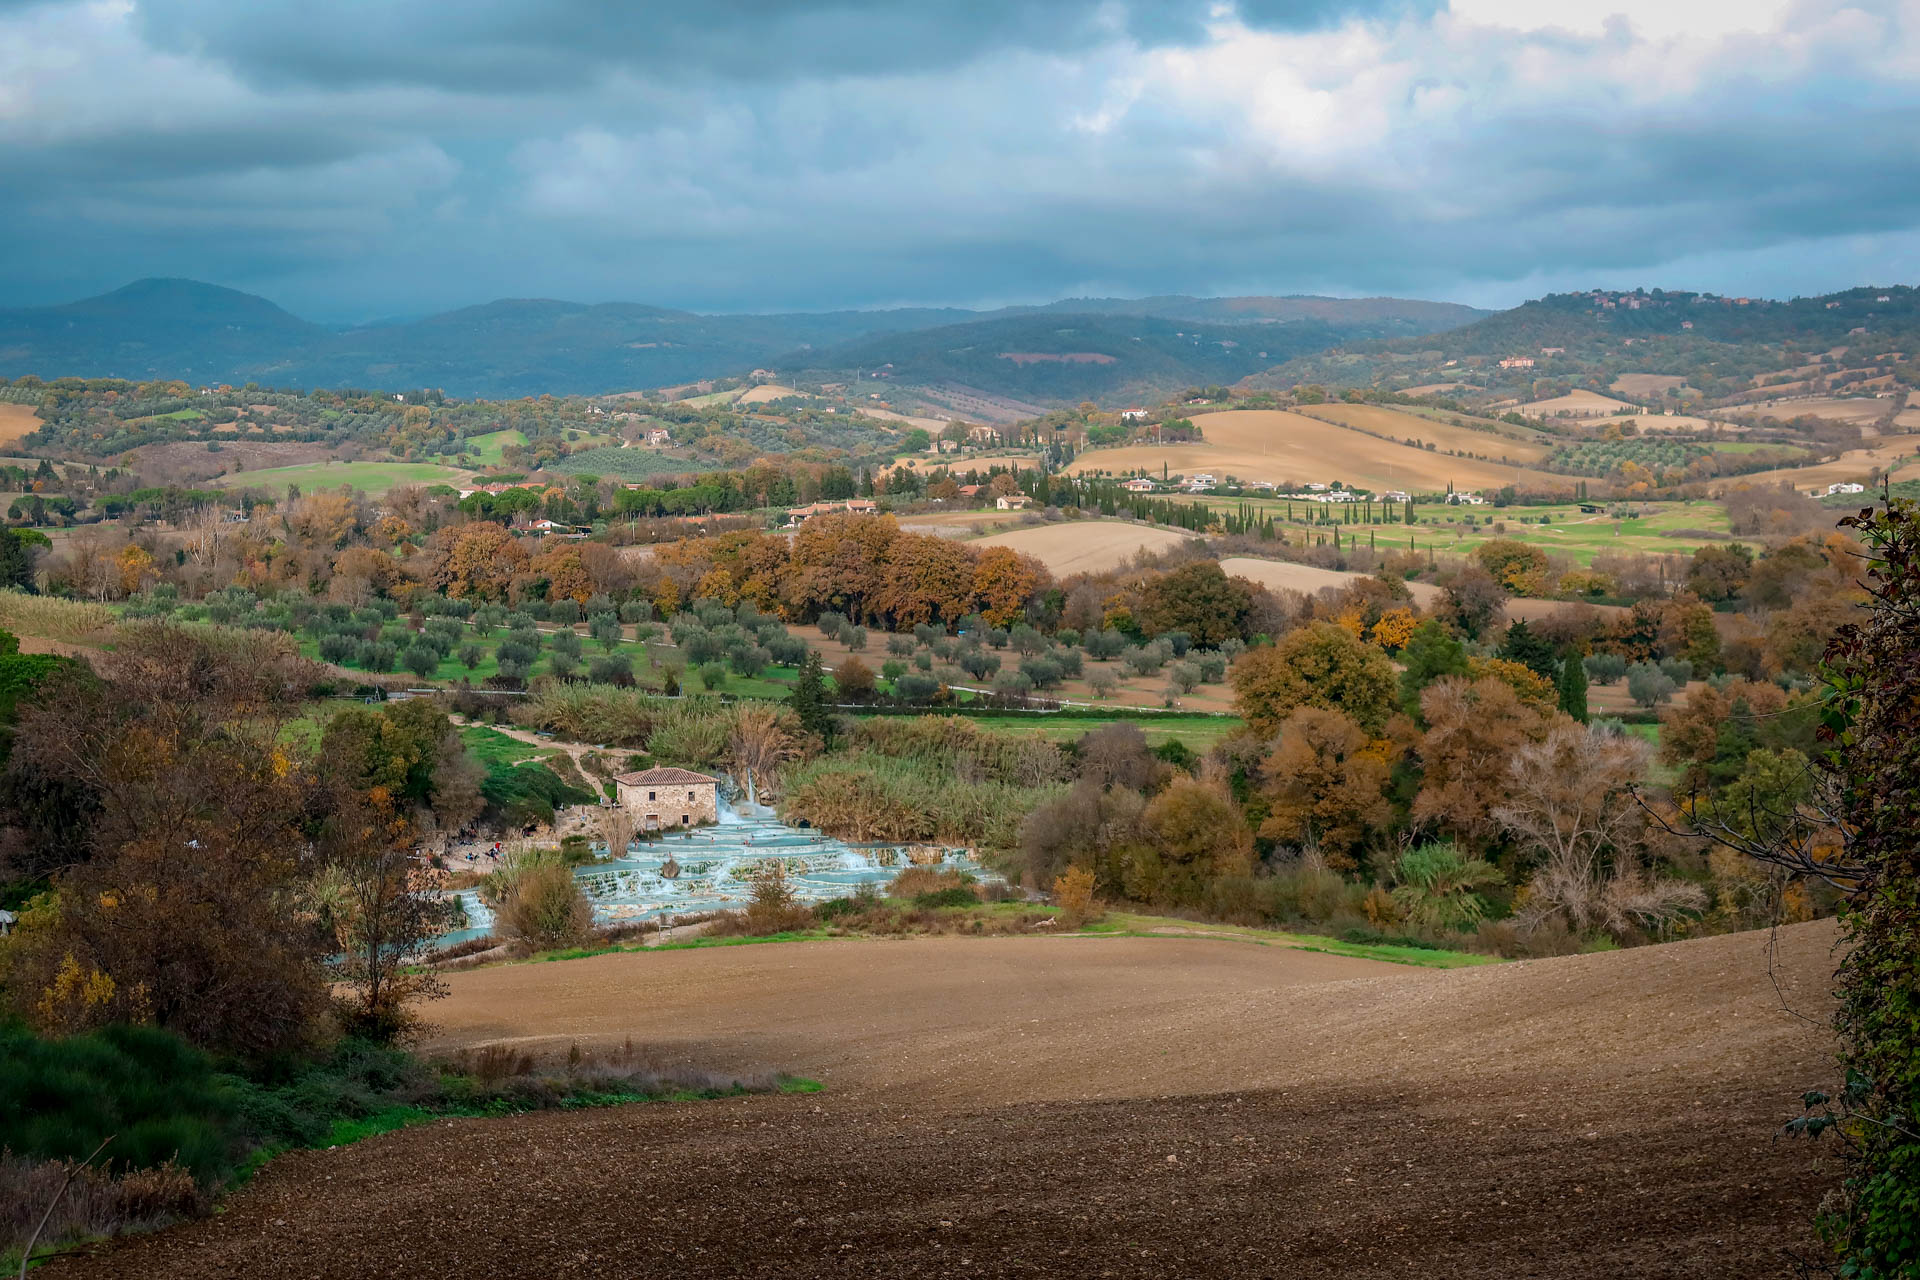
column 486, row 449
column 368, row 477
column 1666, row 528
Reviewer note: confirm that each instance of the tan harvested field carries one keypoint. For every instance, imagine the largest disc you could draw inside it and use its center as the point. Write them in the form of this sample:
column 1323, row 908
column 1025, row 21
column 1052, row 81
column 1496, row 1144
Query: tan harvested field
column 1855, row 409
column 1093, row 1107
column 17, row 420
column 1683, row 422
column 1647, row 384
column 1086, row 546
column 1579, row 404
column 1907, row 420
column 1305, row 578
column 1399, row 426
column 765, row 392
column 935, row 425
column 1856, row 464
column 1291, row 448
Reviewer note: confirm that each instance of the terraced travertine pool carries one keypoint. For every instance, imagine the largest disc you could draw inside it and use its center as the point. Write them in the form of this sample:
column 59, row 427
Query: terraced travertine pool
column 713, row 868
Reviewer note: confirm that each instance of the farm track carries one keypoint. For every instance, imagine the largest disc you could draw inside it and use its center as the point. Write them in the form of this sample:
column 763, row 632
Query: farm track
column 1095, row 1106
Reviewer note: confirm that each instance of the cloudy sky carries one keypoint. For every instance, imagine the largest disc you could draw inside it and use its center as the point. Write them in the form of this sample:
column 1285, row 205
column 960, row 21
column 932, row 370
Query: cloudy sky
column 362, row 158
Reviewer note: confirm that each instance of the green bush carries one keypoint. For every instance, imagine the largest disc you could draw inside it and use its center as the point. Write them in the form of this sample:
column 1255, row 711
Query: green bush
column 157, row 1096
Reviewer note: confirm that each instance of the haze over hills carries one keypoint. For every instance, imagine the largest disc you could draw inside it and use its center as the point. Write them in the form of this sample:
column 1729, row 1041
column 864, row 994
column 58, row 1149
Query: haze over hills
column 198, row 332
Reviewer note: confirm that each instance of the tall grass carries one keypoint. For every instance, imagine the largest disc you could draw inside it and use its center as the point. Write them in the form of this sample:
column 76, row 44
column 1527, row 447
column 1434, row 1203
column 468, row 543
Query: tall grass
column 594, row 713
column 52, row 616
column 864, row 795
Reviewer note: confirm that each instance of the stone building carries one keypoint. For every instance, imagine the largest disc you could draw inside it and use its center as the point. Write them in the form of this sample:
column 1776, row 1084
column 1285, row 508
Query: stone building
column 668, row 798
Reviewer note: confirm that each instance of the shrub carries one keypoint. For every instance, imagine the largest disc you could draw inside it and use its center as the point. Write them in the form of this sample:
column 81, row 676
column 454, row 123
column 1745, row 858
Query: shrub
column 542, row 905
column 913, row 687
column 958, row 896
column 1073, row 894
column 713, row 676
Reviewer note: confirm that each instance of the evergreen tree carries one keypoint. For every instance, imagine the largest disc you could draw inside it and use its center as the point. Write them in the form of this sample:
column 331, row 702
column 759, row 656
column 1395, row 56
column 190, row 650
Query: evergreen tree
column 16, row 561
column 1532, row 651
column 809, row 698
column 1573, row 688
column 1431, row 653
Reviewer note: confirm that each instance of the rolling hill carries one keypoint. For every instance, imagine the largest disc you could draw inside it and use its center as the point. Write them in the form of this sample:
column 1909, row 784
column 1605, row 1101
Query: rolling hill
column 155, row 329
column 1061, row 356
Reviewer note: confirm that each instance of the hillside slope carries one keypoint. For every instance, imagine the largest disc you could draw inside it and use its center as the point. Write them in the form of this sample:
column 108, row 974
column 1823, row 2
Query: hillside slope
column 162, row 329
column 1096, row 1106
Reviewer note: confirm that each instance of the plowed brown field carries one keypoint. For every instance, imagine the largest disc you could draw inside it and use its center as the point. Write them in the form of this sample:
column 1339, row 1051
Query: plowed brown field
column 1095, row 1107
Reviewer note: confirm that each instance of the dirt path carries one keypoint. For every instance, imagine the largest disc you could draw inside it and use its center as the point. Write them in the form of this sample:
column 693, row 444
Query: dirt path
column 1090, row 1107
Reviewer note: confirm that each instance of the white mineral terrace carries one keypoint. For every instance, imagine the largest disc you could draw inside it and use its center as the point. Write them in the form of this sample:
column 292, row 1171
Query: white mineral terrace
column 714, row 868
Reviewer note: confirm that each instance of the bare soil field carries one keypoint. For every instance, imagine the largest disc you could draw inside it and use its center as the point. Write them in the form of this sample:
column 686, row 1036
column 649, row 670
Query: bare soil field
column 17, row 420
column 1291, row 448
column 1399, row 426
column 188, row 461
column 1094, row 1107
column 1577, row 404
column 1086, row 546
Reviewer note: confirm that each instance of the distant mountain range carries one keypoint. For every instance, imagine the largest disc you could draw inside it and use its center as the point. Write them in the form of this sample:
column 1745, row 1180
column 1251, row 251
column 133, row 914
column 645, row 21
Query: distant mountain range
column 1080, row 348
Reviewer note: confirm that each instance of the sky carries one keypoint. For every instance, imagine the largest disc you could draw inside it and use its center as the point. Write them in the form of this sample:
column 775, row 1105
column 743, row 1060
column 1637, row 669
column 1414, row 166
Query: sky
column 358, row 159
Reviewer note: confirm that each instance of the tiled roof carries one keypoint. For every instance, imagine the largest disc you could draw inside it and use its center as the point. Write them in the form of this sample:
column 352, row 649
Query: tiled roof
column 662, row 777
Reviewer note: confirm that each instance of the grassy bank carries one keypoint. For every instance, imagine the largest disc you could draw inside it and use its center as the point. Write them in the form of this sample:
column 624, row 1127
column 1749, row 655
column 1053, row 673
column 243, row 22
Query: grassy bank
column 152, row 1130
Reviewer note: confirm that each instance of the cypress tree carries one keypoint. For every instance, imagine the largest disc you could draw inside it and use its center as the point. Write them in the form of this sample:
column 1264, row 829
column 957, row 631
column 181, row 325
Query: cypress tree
column 809, row 698
column 1573, row 687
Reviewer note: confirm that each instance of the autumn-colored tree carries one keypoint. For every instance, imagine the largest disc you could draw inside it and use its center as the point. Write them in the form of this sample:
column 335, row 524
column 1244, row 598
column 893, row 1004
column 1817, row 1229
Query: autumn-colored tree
column 1003, row 581
column 185, row 857
column 1199, row 599
column 1473, row 601
column 1475, row 727
column 1318, row 665
column 1519, row 567
column 325, row 519
column 839, row 563
column 1531, row 687
column 1324, row 783
column 927, row 579
column 476, row 561
column 1394, row 629
column 853, row 680
column 362, row 573
column 566, row 573
column 1196, row 836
